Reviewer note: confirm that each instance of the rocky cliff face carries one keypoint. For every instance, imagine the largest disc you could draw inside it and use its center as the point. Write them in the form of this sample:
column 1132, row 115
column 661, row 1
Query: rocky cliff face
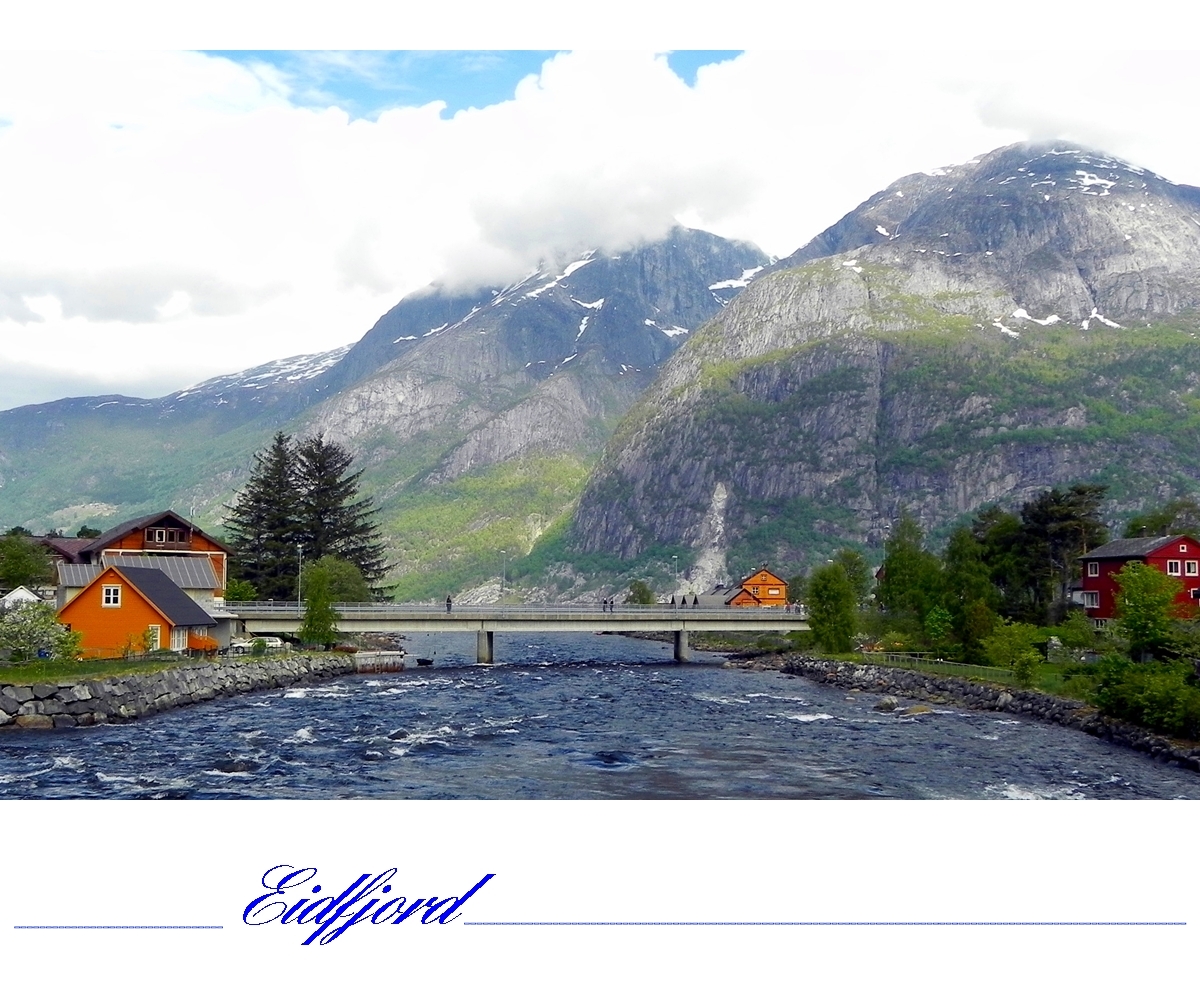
column 542, row 365
column 962, row 337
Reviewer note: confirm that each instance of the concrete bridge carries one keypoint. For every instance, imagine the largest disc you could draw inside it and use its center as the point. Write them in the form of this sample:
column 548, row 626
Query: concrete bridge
column 275, row 618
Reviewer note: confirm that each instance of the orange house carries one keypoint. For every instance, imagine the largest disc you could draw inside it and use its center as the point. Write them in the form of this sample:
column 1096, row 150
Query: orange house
column 760, row 589
column 126, row 610
column 164, row 533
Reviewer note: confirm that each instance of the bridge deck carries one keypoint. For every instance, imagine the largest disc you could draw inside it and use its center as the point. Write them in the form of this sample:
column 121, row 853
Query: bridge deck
column 266, row 617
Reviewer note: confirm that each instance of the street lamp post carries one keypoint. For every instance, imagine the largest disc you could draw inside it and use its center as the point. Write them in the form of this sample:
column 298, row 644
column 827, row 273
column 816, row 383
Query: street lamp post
column 503, row 569
column 299, row 578
column 675, row 571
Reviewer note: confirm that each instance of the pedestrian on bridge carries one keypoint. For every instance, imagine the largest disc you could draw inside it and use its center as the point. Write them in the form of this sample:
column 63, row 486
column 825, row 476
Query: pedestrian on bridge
column 449, row 603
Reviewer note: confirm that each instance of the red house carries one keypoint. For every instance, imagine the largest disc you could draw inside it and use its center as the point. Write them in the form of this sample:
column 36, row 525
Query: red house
column 1176, row 555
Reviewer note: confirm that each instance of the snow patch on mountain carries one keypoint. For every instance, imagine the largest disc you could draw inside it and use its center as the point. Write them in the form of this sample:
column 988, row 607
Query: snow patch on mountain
column 286, row 371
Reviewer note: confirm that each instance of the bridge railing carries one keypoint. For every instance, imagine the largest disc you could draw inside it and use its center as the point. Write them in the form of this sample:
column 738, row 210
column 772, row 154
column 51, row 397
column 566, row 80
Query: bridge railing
column 648, row 611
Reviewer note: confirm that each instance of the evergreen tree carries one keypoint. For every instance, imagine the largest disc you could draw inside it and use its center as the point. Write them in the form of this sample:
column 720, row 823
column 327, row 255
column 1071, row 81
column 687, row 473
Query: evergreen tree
column 1057, row 527
column 331, row 520
column 969, row 596
column 263, row 524
column 911, row 575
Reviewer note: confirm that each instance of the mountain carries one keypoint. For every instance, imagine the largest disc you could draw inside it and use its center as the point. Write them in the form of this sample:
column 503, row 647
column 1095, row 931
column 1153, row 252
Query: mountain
column 966, row 336
column 475, row 414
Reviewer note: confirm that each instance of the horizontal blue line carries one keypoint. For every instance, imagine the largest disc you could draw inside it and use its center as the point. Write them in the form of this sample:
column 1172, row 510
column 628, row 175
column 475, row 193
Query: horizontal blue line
column 826, row 924
column 118, row 926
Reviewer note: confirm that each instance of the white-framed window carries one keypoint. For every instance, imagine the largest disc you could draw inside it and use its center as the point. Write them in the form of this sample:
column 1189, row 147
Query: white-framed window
column 178, row 638
column 1182, row 548
column 154, row 637
column 112, row 596
column 1191, row 568
column 1173, row 567
column 1091, row 600
column 1093, row 568
column 772, row 591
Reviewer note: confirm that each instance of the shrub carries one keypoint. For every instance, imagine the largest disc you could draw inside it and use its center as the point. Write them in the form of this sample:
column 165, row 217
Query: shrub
column 1160, row 695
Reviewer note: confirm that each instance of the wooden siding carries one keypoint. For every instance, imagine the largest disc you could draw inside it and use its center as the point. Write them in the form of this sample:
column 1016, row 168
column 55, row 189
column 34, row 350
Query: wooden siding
column 766, row 589
column 1183, row 549
column 107, row 631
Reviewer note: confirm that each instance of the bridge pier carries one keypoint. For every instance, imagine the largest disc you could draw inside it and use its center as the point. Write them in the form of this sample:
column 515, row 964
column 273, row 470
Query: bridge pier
column 484, row 643
column 681, row 645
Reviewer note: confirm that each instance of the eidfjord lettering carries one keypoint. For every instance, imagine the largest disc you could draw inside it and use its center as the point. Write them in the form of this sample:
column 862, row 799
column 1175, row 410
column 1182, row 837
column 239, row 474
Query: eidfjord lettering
column 294, row 897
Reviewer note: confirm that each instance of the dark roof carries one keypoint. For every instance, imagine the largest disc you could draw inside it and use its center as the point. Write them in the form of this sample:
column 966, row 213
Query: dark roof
column 179, row 608
column 68, row 548
column 1130, row 548
column 113, row 534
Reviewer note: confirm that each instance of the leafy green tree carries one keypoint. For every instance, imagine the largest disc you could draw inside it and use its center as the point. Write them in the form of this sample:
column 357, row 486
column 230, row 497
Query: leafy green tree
column 639, row 593
column 27, row 628
column 263, row 523
column 88, row 532
column 1077, row 631
column 319, row 626
column 911, row 576
column 1178, row 517
column 1012, row 646
column 23, row 562
column 831, row 608
column 239, row 590
column 332, row 518
column 346, row 583
column 938, row 628
column 19, row 529
column 1146, row 607
column 857, row 569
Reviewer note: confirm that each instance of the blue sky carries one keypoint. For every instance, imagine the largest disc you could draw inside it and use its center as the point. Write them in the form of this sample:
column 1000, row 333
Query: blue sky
column 364, row 83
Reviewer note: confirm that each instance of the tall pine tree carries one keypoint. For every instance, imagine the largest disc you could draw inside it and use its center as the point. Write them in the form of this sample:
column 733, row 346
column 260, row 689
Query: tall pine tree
column 264, row 522
column 333, row 521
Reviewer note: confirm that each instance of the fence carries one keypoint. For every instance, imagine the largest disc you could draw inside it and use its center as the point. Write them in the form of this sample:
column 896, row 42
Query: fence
column 918, row 661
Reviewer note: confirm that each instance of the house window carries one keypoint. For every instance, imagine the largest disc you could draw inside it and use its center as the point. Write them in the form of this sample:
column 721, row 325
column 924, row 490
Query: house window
column 1182, row 549
column 154, row 637
column 773, row 592
column 1196, row 594
column 178, row 638
column 1091, row 600
column 1093, row 568
column 112, row 596
column 1191, row 567
column 1172, row 567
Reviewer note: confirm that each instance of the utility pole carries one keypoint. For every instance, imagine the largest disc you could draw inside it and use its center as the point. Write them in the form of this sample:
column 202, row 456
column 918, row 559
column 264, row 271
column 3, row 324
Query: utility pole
column 675, row 571
column 503, row 569
column 299, row 577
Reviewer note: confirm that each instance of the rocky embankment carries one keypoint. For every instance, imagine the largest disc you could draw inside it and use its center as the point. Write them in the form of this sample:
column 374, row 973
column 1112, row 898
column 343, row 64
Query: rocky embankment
column 86, row 701
column 982, row 695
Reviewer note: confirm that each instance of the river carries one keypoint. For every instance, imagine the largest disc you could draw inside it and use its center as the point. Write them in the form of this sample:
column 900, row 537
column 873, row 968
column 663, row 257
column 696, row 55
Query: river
column 573, row 716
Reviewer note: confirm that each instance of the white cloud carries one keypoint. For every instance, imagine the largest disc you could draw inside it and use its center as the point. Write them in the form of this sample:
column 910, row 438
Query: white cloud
column 177, row 210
